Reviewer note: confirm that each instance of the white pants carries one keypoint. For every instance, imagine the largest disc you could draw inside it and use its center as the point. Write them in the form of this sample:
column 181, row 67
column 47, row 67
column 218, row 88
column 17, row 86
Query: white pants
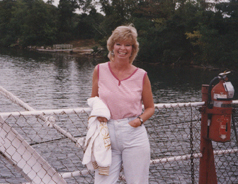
column 130, row 147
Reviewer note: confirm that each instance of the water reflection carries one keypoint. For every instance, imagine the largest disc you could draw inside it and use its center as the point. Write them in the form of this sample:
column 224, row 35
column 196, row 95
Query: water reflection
column 47, row 81
column 52, row 81
column 180, row 84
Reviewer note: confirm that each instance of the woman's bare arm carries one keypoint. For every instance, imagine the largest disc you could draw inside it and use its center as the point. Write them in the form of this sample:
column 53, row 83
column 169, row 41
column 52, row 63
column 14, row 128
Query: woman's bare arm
column 148, row 102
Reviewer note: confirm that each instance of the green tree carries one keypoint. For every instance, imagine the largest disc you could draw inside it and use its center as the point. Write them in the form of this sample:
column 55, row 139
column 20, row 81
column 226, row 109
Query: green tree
column 117, row 12
column 161, row 32
column 170, row 32
column 88, row 26
column 6, row 33
column 66, row 15
column 214, row 38
column 31, row 23
column 50, row 1
column 66, row 9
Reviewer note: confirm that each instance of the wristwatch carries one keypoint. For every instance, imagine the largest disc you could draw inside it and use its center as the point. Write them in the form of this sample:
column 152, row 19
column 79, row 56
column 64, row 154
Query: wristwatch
column 141, row 120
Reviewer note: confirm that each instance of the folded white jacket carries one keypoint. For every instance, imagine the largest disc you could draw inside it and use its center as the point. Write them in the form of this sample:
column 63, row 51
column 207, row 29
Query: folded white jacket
column 97, row 147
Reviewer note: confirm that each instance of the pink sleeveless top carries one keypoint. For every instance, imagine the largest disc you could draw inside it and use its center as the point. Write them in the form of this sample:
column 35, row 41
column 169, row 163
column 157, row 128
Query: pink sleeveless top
column 123, row 97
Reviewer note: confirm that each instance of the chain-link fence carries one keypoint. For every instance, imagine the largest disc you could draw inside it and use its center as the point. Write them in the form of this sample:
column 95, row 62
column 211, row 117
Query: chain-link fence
column 41, row 146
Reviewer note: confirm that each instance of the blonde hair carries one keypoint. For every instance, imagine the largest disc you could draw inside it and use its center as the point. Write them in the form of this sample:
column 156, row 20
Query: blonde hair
column 123, row 33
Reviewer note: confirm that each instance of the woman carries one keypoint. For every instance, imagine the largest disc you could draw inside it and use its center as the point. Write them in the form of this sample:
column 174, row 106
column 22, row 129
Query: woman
column 123, row 87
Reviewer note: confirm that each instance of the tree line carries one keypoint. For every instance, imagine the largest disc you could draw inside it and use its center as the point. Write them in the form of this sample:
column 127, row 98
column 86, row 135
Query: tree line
column 170, row 31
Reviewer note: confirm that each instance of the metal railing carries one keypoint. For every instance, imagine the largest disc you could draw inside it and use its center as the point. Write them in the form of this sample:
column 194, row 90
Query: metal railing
column 31, row 140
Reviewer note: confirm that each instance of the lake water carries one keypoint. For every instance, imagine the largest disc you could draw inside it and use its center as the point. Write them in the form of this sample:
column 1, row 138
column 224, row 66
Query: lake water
column 51, row 81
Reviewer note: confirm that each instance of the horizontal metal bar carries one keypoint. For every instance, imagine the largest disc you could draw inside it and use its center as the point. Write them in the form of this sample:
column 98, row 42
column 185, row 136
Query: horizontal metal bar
column 220, row 152
column 82, row 110
column 173, row 105
column 75, row 173
column 155, row 161
column 4, row 115
column 175, row 158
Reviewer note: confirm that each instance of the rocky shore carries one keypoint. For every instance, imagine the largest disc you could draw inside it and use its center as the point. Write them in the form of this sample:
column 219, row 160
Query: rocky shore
column 80, row 47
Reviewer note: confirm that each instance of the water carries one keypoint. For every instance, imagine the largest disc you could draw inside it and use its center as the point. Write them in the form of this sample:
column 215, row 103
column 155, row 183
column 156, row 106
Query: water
column 46, row 81
column 53, row 81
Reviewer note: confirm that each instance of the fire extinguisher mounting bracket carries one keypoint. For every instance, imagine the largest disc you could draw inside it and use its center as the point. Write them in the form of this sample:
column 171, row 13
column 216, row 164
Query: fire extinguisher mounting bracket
column 230, row 89
column 219, row 111
column 224, row 73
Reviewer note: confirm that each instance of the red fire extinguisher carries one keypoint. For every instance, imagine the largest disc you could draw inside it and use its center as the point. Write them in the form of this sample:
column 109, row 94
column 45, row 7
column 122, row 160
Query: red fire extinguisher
column 219, row 108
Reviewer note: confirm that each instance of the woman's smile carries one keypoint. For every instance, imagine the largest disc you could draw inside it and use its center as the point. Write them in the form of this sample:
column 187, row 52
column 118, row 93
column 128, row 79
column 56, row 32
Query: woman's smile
column 122, row 49
column 122, row 53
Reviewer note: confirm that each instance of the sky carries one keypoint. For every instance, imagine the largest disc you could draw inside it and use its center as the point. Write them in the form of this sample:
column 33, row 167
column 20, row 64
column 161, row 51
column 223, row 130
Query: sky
column 56, row 2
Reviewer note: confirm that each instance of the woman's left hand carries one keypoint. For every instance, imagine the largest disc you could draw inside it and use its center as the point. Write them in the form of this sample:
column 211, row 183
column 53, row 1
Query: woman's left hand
column 102, row 119
column 135, row 123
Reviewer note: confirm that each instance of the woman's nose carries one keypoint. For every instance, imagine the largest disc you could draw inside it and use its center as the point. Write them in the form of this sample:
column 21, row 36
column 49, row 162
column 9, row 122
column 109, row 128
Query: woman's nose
column 122, row 46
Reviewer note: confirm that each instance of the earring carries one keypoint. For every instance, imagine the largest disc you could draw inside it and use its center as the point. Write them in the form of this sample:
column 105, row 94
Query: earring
column 112, row 52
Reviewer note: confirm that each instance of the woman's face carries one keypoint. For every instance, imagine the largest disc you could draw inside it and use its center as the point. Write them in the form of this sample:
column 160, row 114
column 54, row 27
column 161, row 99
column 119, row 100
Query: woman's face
column 122, row 49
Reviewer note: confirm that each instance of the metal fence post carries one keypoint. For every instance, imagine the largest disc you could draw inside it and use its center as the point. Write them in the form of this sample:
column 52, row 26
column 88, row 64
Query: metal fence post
column 207, row 170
